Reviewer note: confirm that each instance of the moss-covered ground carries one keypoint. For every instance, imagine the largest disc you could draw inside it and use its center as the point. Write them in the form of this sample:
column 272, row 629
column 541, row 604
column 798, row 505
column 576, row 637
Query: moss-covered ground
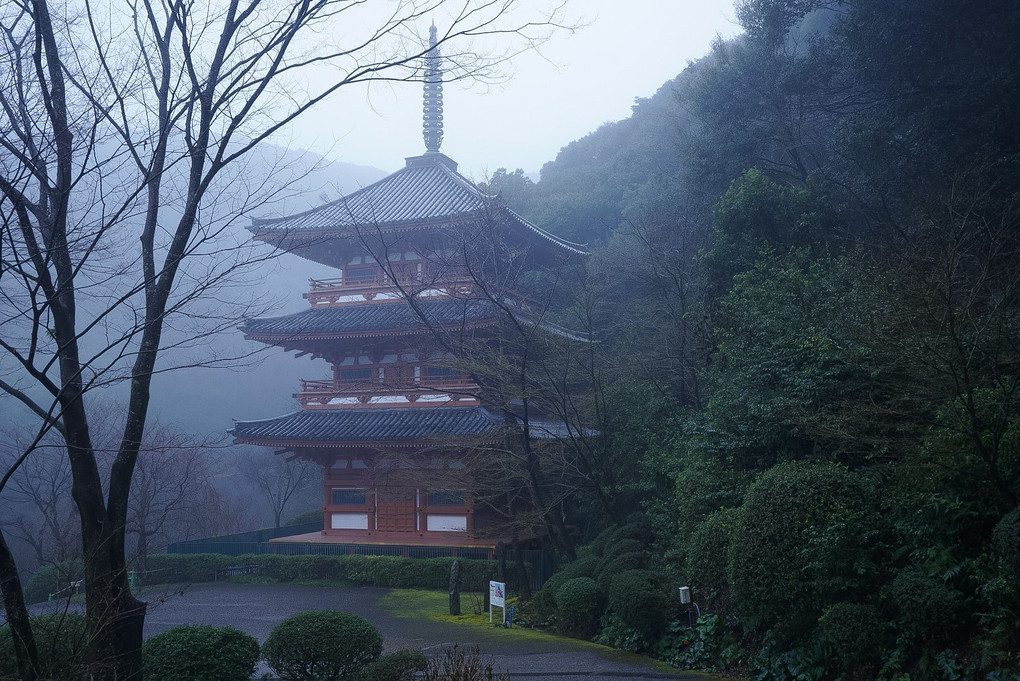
column 434, row 605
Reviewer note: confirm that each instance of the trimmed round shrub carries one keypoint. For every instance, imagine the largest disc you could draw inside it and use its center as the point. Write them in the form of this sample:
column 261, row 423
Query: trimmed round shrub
column 638, row 528
column 599, row 543
column 200, row 653
column 623, row 546
column 59, row 642
column 638, row 598
column 578, row 606
column 801, row 541
column 545, row 600
column 851, row 635
column 321, row 646
column 707, row 549
column 614, row 566
column 402, row 665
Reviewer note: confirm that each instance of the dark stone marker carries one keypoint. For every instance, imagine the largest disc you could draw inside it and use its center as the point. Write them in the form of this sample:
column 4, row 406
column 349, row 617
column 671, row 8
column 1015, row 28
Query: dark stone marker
column 455, row 588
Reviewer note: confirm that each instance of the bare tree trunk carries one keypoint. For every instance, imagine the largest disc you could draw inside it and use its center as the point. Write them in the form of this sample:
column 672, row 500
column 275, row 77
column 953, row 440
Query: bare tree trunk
column 17, row 614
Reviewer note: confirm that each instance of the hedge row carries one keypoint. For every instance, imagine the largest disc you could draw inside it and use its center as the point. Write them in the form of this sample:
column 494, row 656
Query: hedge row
column 53, row 579
column 383, row 571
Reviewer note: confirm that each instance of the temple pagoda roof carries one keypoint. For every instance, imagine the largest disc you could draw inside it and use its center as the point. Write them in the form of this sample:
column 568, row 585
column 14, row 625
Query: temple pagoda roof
column 403, row 425
column 427, row 192
column 374, row 318
column 387, row 319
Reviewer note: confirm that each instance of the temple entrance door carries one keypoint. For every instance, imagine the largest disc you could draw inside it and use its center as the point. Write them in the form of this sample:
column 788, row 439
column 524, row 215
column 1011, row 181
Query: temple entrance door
column 396, row 510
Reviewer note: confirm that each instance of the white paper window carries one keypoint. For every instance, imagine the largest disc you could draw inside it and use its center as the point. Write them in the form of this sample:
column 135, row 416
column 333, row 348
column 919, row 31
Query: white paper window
column 349, row 521
column 447, row 523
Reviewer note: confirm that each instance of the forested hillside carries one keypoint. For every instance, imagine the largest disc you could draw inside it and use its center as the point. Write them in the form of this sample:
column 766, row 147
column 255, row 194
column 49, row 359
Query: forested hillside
column 804, row 284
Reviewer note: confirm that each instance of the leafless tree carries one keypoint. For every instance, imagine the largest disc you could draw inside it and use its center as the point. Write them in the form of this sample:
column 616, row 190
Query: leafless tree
column 172, row 495
column 39, row 512
column 279, row 481
column 123, row 133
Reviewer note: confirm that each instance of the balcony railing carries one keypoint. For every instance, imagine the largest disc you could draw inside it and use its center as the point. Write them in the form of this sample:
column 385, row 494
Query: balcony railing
column 317, row 394
column 327, row 292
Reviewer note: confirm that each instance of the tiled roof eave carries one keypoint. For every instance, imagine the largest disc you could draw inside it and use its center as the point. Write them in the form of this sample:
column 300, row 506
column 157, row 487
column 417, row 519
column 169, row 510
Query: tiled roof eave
column 349, row 231
column 374, row 333
column 424, row 442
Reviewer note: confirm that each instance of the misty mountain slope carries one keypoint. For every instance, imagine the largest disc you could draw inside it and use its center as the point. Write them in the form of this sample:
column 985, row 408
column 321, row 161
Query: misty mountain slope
column 246, row 279
column 261, row 382
column 603, row 178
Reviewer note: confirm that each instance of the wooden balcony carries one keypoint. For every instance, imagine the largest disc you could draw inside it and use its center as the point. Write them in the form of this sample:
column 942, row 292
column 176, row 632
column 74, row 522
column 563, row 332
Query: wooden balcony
column 329, row 394
column 361, row 289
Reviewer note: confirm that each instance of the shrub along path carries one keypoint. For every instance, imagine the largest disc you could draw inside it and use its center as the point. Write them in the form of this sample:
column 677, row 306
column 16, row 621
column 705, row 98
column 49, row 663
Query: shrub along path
column 256, row 609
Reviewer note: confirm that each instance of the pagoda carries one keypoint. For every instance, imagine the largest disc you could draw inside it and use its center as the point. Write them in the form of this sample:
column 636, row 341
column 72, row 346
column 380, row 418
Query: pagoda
column 391, row 422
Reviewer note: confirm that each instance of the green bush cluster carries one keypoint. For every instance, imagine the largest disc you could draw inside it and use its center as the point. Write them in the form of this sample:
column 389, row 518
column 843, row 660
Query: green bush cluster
column 638, row 597
column 613, row 585
column 311, row 646
column 59, row 642
column 801, row 541
column 578, row 605
column 851, row 635
column 402, row 665
column 200, row 653
column 927, row 607
column 321, row 646
column 545, row 600
column 707, row 548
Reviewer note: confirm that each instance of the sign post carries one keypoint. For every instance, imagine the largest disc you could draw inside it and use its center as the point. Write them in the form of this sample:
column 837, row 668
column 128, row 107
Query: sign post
column 497, row 597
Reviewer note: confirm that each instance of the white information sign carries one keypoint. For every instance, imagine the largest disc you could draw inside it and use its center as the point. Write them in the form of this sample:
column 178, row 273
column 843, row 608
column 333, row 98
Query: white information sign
column 497, row 597
column 497, row 594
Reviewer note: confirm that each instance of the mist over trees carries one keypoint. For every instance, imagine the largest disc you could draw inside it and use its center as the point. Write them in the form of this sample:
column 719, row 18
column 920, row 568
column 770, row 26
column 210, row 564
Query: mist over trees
column 803, row 398
column 806, row 265
column 125, row 131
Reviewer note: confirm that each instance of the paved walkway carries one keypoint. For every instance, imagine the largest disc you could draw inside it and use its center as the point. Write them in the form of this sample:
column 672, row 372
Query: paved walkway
column 256, row 609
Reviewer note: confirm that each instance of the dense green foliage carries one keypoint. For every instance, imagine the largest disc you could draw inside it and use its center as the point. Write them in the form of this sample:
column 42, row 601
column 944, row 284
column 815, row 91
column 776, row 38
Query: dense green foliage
column 578, row 604
column 200, row 653
column 805, row 282
column 60, row 642
column 802, row 540
column 638, row 598
column 321, row 646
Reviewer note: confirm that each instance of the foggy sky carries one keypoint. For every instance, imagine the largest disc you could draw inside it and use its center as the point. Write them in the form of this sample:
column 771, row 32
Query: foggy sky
column 575, row 84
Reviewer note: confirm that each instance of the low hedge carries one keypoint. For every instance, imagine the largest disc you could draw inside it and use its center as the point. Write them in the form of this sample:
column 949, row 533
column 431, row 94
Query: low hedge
column 52, row 579
column 187, row 567
column 200, row 653
column 384, row 571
